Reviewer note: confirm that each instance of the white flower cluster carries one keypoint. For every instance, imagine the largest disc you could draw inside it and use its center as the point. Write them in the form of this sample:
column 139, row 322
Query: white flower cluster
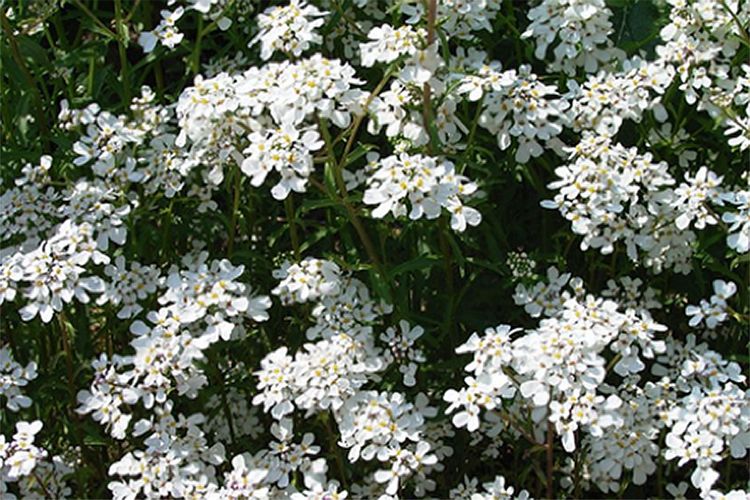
column 286, row 150
column 739, row 221
column 699, row 42
column 166, row 33
column 92, row 203
column 403, row 351
column 605, row 100
column 127, row 287
column 711, row 419
column 29, row 210
column 378, row 425
column 428, row 184
column 289, row 29
column 107, row 138
column 279, row 105
column 350, row 311
column 320, row 377
column 326, row 373
column 496, row 489
column 520, row 264
column 388, row 44
column 328, row 376
column 582, row 27
column 630, row 294
column 632, row 444
column 269, row 473
column 704, row 424
column 176, row 460
column 415, row 64
column 23, row 462
column 342, row 385
column 713, row 311
column 310, row 280
column 20, row 456
column 201, row 305
column 14, row 376
column 611, row 193
column 53, row 274
column 558, row 367
column 548, row 297
column 458, row 18
column 515, row 104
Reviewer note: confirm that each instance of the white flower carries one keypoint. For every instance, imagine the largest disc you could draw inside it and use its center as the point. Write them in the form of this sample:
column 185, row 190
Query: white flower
column 309, row 280
column 13, row 377
column 715, row 310
column 388, row 44
column 427, row 184
column 286, row 150
column 289, row 29
column 582, row 28
column 739, row 221
column 402, row 350
column 166, row 32
column 517, row 105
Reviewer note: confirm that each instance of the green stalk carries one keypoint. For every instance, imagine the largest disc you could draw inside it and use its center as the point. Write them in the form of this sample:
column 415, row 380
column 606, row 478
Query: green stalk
column 336, row 451
column 293, row 234
column 445, row 249
column 344, row 195
column 124, row 71
column 16, row 53
column 426, row 90
column 550, row 459
column 235, row 210
column 94, row 18
column 196, row 56
column 226, row 408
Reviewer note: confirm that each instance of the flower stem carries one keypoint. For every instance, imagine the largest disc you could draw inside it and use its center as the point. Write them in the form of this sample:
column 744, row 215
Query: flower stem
column 195, row 62
column 343, row 197
column 336, row 450
column 293, row 234
column 550, row 459
column 124, row 71
column 235, row 211
column 37, row 98
column 426, row 89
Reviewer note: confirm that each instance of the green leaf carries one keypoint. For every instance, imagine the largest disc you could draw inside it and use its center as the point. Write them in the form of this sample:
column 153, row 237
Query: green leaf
column 418, row 263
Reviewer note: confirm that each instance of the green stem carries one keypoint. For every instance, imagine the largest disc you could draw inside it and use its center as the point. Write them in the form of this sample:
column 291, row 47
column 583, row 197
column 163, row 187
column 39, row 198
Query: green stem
column 196, row 56
column 426, row 89
column 68, row 357
column 336, row 451
column 227, row 409
column 344, row 196
column 550, row 459
column 16, row 53
column 294, row 236
column 124, row 71
column 470, row 140
column 358, row 120
column 96, row 20
column 743, row 31
column 167, row 222
column 132, row 11
column 445, row 249
column 235, row 211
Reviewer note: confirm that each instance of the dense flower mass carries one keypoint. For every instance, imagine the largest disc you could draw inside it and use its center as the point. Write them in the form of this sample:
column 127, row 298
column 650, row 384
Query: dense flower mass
column 322, row 249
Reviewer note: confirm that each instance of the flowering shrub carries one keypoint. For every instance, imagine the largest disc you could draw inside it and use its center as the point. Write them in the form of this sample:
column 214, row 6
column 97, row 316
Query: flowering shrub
column 348, row 248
